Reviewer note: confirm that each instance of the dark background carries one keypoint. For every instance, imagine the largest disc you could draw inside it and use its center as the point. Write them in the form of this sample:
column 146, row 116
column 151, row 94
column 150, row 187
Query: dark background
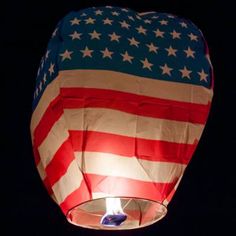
column 205, row 203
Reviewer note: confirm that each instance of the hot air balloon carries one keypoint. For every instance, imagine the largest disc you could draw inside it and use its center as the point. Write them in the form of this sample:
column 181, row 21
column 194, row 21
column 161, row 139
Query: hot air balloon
column 120, row 104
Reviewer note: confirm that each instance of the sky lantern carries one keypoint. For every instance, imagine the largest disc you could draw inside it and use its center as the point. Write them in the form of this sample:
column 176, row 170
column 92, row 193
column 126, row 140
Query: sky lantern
column 120, row 104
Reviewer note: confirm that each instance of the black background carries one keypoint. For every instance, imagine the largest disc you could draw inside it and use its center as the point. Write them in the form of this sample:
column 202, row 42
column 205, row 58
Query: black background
column 205, row 203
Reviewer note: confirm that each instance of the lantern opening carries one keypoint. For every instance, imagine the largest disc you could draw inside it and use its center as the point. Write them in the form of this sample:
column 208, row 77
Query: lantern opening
column 116, row 213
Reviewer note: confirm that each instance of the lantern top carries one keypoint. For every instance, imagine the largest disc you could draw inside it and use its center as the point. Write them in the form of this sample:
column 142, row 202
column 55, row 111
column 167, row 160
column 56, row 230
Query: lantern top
column 154, row 45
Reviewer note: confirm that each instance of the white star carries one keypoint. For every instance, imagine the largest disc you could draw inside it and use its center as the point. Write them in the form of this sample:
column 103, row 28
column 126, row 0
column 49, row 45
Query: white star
column 89, row 21
column 166, row 70
column 54, row 33
column 40, row 85
column 155, row 17
column 114, row 37
column 183, row 24
column 75, row 21
column 107, row 21
column 138, row 17
column 171, row 51
column 152, row 47
column 146, row 64
column 98, row 12
column 171, row 16
column 159, row 33
column 75, row 35
column 127, row 57
column 141, row 30
column 163, row 22
column 38, row 71
column 175, row 35
column 193, row 37
column 185, row 72
column 42, row 63
column 95, row 35
column 115, row 13
column 124, row 24
column 147, row 21
column 203, row 75
column 51, row 69
column 133, row 42
column 84, row 14
column 124, row 9
column 44, row 78
column 47, row 54
column 87, row 52
column 107, row 53
column 189, row 52
column 66, row 55
column 131, row 18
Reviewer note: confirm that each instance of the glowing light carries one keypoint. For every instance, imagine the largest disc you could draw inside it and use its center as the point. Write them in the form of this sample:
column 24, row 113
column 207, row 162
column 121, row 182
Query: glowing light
column 114, row 215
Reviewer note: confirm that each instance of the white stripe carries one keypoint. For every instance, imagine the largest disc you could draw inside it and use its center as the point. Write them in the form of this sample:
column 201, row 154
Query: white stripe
column 135, row 84
column 115, row 122
column 43, row 176
column 122, row 123
column 146, row 13
column 41, row 170
column 119, row 166
column 178, row 182
column 69, row 182
column 120, row 82
column 166, row 201
column 53, row 198
column 55, row 138
column 97, row 195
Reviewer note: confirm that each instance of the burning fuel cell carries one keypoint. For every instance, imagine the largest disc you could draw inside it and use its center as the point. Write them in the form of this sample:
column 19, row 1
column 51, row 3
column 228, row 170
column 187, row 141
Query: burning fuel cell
column 120, row 103
column 114, row 213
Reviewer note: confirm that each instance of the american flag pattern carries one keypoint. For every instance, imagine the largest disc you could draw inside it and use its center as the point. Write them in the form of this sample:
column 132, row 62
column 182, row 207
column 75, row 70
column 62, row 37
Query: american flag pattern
column 120, row 103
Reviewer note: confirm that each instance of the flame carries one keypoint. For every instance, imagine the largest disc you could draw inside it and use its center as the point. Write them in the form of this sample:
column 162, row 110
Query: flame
column 114, row 215
column 113, row 206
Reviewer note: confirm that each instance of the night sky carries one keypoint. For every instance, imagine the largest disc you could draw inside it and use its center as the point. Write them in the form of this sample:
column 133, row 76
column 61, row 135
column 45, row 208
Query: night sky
column 205, row 202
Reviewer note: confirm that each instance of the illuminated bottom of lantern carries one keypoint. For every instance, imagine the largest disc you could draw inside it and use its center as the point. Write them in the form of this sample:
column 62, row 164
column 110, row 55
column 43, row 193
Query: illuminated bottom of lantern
column 125, row 213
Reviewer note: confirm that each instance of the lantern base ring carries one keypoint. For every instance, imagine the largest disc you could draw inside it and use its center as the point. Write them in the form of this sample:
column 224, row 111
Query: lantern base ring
column 137, row 213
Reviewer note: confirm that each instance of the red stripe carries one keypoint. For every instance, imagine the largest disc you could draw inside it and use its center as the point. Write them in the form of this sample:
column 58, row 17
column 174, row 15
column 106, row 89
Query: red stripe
column 60, row 162
column 145, row 149
column 80, row 195
column 135, row 104
column 140, row 105
column 51, row 115
column 117, row 186
column 152, row 150
column 48, row 185
column 170, row 196
column 102, row 142
column 45, row 180
column 120, row 186
column 36, row 155
column 116, row 144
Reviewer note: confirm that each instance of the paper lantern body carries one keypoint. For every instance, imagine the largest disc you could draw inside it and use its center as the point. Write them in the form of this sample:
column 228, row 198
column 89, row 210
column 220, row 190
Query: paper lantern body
column 120, row 104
